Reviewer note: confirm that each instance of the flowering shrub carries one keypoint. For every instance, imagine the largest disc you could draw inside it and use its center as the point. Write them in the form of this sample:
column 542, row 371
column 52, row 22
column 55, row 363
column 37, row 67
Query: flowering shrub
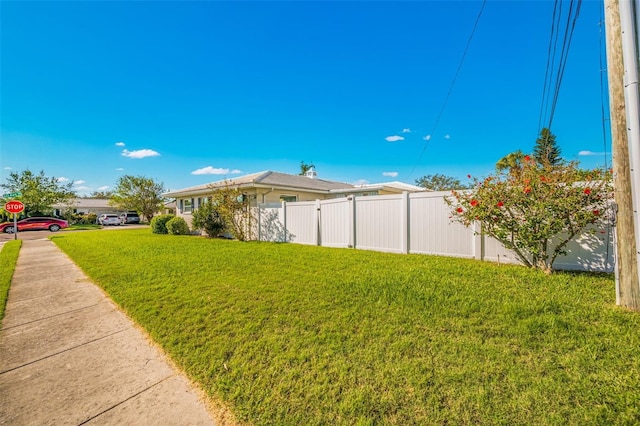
column 534, row 210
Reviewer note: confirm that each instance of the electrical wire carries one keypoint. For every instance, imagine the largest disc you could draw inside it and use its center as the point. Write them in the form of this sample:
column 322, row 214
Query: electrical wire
column 551, row 54
column 453, row 82
column 553, row 75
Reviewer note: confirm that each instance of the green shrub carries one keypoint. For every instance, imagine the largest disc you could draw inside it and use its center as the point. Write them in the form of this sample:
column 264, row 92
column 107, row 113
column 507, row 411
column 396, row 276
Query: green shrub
column 207, row 218
column 80, row 218
column 159, row 223
column 177, row 226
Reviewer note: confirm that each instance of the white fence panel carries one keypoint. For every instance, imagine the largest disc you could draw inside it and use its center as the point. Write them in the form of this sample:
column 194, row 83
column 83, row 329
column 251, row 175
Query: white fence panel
column 431, row 230
column 270, row 222
column 416, row 223
column 336, row 222
column 495, row 251
column 379, row 223
column 302, row 226
column 593, row 250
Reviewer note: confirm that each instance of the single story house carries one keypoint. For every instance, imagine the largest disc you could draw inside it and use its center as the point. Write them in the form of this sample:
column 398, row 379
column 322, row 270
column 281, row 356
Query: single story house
column 275, row 187
column 84, row 206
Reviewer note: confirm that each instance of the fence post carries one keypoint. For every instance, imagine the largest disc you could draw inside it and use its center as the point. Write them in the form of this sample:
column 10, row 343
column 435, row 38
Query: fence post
column 478, row 241
column 259, row 222
column 404, row 223
column 352, row 221
column 284, row 221
column 316, row 221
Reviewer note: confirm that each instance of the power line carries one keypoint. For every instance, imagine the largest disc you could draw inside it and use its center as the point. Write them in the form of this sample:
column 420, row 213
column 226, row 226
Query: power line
column 554, row 77
column 453, row 82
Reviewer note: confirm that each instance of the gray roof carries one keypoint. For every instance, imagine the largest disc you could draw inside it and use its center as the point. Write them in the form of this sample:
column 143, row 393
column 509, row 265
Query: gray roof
column 87, row 203
column 268, row 179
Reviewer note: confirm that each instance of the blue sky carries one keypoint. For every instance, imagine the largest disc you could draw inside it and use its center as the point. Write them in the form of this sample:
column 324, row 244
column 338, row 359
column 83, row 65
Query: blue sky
column 193, row 92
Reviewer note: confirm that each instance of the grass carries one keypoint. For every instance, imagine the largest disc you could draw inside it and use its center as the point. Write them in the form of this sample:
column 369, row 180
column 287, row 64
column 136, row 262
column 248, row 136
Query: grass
column 289, row 334
column 8, row 258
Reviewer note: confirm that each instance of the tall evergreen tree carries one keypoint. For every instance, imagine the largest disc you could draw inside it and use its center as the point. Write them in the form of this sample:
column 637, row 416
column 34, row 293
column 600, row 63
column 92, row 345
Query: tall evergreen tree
column 546, row 150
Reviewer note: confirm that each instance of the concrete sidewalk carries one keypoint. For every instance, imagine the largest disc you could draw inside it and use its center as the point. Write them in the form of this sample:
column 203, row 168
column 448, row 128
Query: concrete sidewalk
column 69, row 356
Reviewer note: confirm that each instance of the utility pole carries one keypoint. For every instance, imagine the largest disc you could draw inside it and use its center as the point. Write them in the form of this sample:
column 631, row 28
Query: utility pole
column 628, row 287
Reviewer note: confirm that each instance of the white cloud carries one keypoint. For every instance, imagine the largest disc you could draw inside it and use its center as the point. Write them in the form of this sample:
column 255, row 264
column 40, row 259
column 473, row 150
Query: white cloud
column 140, row 153
column 590, row 153
column 119, row 169
column 214, row 171
column 394, row 138
column 447, row 136
column 62, row 179
column 79, row 182
column 406, row 130
column 82, row 188
column 390, row 174
column 361, row 182
column 103, row 188
column 235, row 172
column 119, row 143
column 8, row 168
column 426, row 138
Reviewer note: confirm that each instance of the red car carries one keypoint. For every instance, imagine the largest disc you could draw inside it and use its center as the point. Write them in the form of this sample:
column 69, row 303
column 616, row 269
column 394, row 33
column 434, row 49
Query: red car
column 35, row 224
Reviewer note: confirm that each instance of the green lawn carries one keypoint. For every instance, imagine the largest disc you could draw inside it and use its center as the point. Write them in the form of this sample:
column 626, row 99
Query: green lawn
column 8, row 258
column 288, row 334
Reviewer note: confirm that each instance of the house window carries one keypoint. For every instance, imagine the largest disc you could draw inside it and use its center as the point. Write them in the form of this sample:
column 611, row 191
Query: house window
column 289, row 198
column 187, row 205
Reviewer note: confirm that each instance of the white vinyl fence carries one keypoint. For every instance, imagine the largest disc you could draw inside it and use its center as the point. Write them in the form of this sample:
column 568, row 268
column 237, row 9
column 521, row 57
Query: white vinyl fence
column 411, row 223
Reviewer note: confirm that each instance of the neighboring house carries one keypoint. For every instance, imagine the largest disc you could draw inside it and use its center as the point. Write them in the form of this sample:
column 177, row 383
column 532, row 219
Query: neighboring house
column 84, row 206
column 275, row 187
column 169, row 207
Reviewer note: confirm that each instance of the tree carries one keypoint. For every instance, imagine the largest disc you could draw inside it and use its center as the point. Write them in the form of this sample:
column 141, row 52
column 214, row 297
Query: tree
column 546, row 151
column 511, row 163
column 536, row 212
column 39, row 193
column 207, row 218
column 305, row 167
column 103, row 195
column 138, row 193
column 233, row 208
column 439, row 182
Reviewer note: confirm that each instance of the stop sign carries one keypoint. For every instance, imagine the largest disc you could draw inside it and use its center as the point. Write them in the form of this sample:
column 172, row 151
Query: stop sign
column 14, row 206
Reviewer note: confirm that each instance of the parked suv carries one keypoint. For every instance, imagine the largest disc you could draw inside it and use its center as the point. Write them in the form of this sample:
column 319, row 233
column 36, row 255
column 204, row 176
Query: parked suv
column 129, row 217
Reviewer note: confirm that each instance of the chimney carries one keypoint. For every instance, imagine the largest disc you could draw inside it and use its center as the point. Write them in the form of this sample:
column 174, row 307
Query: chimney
column 311, row 173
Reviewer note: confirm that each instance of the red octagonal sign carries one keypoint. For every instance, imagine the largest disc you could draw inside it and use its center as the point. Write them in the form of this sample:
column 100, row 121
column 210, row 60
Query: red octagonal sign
column 14, row 206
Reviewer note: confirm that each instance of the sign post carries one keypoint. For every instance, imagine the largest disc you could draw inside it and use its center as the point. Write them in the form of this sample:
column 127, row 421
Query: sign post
column 14, row 207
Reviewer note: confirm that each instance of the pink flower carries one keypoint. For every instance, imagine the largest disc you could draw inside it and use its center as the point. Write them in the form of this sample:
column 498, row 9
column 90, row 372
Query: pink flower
column 527, row 190
column 587, row 191
column 500, row 204
column 596, row 212
column 459, row 210
column 527, row 158
column 474, row 203
column 469, row 176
